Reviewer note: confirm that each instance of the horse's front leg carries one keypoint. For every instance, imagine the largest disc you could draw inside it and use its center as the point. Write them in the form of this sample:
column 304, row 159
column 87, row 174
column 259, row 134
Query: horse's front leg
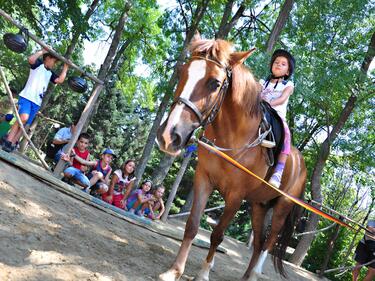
column 202, row 189
column 231, row 207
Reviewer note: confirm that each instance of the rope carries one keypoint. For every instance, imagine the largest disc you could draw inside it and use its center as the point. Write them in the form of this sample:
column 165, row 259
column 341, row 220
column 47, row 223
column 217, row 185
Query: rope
column 19, row 120
column 346, row 268
column 315, row 231
column 188, row 213
column 290, row 197
column 41, row 115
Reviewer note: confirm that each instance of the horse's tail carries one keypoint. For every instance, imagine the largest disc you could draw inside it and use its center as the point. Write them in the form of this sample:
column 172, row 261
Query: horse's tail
column 284, row 238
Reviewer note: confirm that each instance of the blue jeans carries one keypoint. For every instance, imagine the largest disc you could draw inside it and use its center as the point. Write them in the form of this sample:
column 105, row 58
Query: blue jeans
column 78, row 175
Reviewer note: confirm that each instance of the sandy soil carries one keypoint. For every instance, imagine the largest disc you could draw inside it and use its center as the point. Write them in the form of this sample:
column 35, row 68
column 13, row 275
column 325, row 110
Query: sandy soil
column 47, row 235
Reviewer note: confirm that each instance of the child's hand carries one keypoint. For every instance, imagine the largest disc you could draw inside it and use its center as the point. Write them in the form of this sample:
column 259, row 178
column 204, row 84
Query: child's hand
column 65, row 157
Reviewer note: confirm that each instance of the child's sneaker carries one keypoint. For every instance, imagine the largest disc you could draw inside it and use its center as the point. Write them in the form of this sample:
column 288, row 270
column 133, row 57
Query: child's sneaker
column 67, row 180
column 275, row 180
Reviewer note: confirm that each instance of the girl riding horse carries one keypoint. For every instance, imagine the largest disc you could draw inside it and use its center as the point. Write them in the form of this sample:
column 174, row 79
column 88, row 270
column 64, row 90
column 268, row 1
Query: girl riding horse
column 218, row 92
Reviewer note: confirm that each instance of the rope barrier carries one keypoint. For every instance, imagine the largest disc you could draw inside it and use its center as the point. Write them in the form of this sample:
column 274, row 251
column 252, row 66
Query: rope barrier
column 346, row 268
column 41, row 115
column 188, row 213
column 316, row 231
column 19, row 119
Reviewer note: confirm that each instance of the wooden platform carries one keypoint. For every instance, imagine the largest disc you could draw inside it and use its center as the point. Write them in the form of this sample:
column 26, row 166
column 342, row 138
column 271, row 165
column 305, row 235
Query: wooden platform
column 35, row 170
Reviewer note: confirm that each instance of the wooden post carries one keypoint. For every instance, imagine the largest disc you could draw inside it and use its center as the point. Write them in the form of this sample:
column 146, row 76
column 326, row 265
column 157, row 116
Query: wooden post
column 45, row 46
column 82, row 120
column 175, row 185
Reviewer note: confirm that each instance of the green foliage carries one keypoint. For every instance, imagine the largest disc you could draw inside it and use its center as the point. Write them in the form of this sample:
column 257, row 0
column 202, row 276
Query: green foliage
column 327, row 38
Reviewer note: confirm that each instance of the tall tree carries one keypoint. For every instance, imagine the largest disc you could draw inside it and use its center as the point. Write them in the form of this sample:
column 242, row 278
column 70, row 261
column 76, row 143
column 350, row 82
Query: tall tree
column 324, row 152
column 190, row 29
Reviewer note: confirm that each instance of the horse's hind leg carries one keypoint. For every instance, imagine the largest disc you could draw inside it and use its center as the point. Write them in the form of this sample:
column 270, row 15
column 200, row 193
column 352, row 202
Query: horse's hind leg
column 217, row 236
column 258, row 212
column 202, row 190
column 280, row 212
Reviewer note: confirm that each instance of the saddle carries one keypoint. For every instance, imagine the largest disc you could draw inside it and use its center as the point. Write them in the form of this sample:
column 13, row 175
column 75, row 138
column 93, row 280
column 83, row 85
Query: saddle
column 275, row 139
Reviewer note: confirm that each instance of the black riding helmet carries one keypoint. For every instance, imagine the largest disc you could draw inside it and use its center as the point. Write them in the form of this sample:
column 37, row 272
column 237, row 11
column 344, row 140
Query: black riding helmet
column 288, row 56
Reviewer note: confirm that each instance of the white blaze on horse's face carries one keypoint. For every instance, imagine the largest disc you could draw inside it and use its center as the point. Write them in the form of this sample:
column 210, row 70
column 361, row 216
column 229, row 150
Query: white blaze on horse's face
column 196, row 72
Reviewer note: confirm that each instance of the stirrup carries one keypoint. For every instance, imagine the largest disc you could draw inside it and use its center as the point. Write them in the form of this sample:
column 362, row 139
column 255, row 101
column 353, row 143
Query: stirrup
column 268, row 144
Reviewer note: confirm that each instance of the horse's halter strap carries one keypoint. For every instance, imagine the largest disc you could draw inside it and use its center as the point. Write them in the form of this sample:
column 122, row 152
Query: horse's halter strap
column 213, row 111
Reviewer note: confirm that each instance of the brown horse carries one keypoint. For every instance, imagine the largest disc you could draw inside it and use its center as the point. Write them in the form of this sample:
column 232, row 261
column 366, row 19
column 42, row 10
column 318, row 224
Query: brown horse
column 217, row 91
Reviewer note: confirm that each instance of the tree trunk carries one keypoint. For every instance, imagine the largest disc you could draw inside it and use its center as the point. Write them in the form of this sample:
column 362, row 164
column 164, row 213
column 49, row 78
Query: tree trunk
column 78, row 30
column 141, row 166
column 175, row 186
column 188, row 203
column 87, row 112
column 224, row 29
column 305, row 243
column 330, row 246
column 279, row 24
column 161, row 172
column 226, row 25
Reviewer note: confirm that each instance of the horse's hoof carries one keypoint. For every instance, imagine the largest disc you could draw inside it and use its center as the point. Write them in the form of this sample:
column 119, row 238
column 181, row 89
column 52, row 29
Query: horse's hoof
column 170, row 275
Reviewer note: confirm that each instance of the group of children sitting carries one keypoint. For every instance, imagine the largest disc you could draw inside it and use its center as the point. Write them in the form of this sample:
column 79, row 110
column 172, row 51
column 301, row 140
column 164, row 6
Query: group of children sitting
column 96, row 178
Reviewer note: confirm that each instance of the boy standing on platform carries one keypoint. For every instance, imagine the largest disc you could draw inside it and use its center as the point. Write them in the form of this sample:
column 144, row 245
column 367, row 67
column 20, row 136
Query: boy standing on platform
column 30, row 98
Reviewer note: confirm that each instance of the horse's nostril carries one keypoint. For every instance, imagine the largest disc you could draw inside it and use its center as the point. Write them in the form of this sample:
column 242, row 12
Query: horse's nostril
column 176, row 140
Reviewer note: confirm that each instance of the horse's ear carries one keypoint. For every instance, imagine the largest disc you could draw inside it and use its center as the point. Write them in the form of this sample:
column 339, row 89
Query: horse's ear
column 240, row 57
column 196, row 37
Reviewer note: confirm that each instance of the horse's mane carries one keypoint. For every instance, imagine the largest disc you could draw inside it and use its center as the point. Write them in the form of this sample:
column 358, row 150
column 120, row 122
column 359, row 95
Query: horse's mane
column 245, row 89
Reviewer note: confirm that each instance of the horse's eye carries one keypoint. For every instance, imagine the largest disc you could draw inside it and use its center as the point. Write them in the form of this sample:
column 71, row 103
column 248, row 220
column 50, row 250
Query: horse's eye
column 213, row 85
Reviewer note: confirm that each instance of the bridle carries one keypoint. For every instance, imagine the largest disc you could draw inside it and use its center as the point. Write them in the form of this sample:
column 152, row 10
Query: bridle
column 203, row 118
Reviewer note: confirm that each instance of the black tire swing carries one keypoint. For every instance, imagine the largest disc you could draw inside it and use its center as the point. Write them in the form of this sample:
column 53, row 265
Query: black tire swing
column 18, row 42
column 77, row 84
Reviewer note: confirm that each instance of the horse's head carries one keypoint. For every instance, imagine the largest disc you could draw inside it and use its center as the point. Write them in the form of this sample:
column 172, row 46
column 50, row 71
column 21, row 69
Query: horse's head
column 203, row 83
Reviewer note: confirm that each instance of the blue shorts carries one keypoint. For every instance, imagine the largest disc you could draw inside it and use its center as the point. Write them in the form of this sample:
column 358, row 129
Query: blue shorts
column 27, row 107
column 78, row 175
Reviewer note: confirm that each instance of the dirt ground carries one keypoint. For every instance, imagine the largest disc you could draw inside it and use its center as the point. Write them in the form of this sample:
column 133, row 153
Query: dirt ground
column 48, row 235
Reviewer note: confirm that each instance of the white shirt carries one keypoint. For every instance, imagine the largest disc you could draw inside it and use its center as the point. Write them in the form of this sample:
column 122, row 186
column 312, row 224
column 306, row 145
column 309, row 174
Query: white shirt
column 270, row 93
column 122, row 183
column 37, row 83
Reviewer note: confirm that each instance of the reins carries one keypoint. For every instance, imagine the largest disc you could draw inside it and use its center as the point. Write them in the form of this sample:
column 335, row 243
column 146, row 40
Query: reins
column 290, row 197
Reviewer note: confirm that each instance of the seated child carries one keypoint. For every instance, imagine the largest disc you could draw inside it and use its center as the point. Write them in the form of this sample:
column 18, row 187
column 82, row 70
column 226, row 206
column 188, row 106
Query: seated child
column 138, row 197
column 100, row 173
column 5, row 125
column 78, row 161
column 121, row 185
column 154, row 208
